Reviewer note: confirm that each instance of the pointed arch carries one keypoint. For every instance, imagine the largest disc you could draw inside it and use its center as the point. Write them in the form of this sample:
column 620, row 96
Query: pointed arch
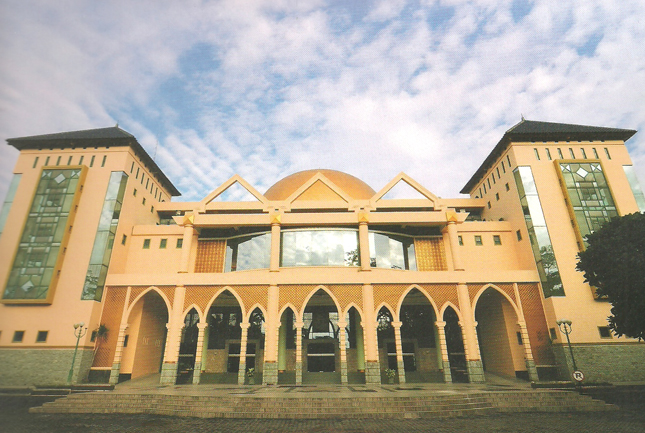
column 293, row 309
column 200, row 313
column 500, row 291
column 219, row 292
column 326, row 290
column 252, row 308
column 405, row 294
column 349, row 307
column 388, row 307
column 444, row 307
column 142, row 294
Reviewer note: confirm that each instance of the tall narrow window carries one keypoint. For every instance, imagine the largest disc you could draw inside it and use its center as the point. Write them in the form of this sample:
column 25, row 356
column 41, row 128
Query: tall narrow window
column 35, row 162
column 69, row 160
column 137, row 176
column 80, row 160
column 537, row 154
column 132, row 167
column 103, row 161
column 560, row 155
column 503, row 168
column 584, row 154
column 92, row 161
column 104, row 239
column 573, row 155
column 498, row 176
column 47, row 161
column 146, row 244
column 163, row 243
column 508, row 159
column 58, row 161
column 607, row 153
column 548, row 154
column 595, row 153
column 488, row 180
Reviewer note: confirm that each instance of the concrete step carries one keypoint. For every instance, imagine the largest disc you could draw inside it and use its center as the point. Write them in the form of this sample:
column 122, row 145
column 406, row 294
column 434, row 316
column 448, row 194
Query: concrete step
column 334, row 407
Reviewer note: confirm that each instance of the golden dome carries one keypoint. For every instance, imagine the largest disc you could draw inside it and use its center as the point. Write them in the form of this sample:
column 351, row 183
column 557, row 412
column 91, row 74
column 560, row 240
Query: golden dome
column 350, row 185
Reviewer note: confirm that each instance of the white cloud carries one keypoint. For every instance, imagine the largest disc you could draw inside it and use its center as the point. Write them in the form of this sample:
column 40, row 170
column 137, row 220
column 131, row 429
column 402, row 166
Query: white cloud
column 290, row 85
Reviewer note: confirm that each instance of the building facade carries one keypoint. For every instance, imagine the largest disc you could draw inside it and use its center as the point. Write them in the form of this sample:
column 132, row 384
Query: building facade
column 319, row 279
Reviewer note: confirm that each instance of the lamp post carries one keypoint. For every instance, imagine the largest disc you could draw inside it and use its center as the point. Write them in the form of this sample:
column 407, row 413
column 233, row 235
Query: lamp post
column 79, row 331
column 565, row 328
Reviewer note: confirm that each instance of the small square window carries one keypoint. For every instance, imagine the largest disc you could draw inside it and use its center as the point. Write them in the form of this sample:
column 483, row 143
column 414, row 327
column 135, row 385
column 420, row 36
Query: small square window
column 18, row 336
column 497, row 240
column 553, row 333
column 41, row 337
column 508, row 188
column 146, row 244
column 519, row 235
column 497, row 196
column 478, row 240
column 163, row 243
column 461, row 240
column 180, row 243
column 123, row 239
column 519, row 338
column 604, row 331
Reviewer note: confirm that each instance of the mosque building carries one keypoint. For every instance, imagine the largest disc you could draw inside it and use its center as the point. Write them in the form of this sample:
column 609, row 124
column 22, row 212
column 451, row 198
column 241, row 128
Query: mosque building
column 320, row 279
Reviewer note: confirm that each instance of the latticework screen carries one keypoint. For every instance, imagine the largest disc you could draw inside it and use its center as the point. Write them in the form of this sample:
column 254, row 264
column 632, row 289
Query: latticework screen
column 431, row 254
column 211, row 255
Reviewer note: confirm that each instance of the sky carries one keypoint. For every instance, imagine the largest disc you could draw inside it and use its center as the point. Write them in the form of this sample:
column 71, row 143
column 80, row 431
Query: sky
column 264, row 89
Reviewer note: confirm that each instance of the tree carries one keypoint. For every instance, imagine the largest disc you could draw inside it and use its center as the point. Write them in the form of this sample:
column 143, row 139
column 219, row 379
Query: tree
column 614, row 263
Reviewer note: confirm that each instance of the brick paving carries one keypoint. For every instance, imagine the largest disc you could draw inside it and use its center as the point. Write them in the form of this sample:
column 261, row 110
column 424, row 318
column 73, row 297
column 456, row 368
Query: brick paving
column 14, row 417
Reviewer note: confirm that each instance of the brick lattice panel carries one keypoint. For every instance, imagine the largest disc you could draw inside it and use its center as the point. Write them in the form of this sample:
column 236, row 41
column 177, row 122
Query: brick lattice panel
column 347, row 294
column 295, row 295
column 200, row 296
column 211, row 255
column 536, row 323
column 113, row 301
column 473, row 289
column 168, row 291
column 252, row 295
column 388, row 293
column 431, row 254
column 442, row 293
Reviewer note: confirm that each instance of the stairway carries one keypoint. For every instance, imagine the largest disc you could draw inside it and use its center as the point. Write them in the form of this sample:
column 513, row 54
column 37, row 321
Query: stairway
column 306, row 407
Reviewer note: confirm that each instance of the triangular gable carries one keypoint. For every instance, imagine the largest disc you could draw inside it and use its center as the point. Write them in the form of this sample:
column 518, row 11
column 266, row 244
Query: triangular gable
column 235, row 189
column 319, row 188
column 410, row 189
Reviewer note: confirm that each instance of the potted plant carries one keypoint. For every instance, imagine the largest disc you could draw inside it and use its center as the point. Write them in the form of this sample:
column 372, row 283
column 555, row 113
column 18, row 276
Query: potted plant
column 250, row 373
column 391, row 374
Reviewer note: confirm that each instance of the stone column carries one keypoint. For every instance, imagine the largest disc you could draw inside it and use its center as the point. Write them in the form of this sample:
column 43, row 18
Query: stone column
column 528, row 354
column 399, row 351
column 187, row 245
column 363, row 242
column 443, row 346
column 274, row 265
column 469, row 334
column 241, row 371
column 453, row 237
column 299, row 326
column 270, row 368
column 175, row 326
column 199, row 353
column 118, row 353
column 343, row 351
column 372, row 367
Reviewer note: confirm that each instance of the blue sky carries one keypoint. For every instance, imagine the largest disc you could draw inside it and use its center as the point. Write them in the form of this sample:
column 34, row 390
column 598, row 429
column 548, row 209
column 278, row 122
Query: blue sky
column 267, row 88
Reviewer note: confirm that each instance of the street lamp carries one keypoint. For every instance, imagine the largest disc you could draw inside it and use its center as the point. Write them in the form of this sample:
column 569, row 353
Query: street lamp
column 565, row 328
column 79, row 331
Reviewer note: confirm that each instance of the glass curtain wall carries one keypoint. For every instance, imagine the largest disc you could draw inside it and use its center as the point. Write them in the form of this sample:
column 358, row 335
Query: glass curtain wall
column 327, row 247
column 104, row 240
column 248, row 252
column 11, row 193
column 392, row 251
column 538, row 234
column 633, row 183
column 43, row 235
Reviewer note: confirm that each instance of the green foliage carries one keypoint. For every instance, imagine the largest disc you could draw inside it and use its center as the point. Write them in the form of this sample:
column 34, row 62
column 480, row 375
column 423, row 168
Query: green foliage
column 614, row 263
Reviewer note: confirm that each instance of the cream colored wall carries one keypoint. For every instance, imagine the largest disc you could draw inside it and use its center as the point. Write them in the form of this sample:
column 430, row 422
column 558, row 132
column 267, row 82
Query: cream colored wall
column 517, row 351
column 154, row 259
column 488, row 256
column 67, row 307
column 578, row 305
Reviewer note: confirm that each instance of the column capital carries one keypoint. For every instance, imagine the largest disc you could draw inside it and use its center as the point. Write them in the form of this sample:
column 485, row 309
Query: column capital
column 440, row 324
column 202, row 325
column 245, row 325
column 299, row 325
column 396, row 325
